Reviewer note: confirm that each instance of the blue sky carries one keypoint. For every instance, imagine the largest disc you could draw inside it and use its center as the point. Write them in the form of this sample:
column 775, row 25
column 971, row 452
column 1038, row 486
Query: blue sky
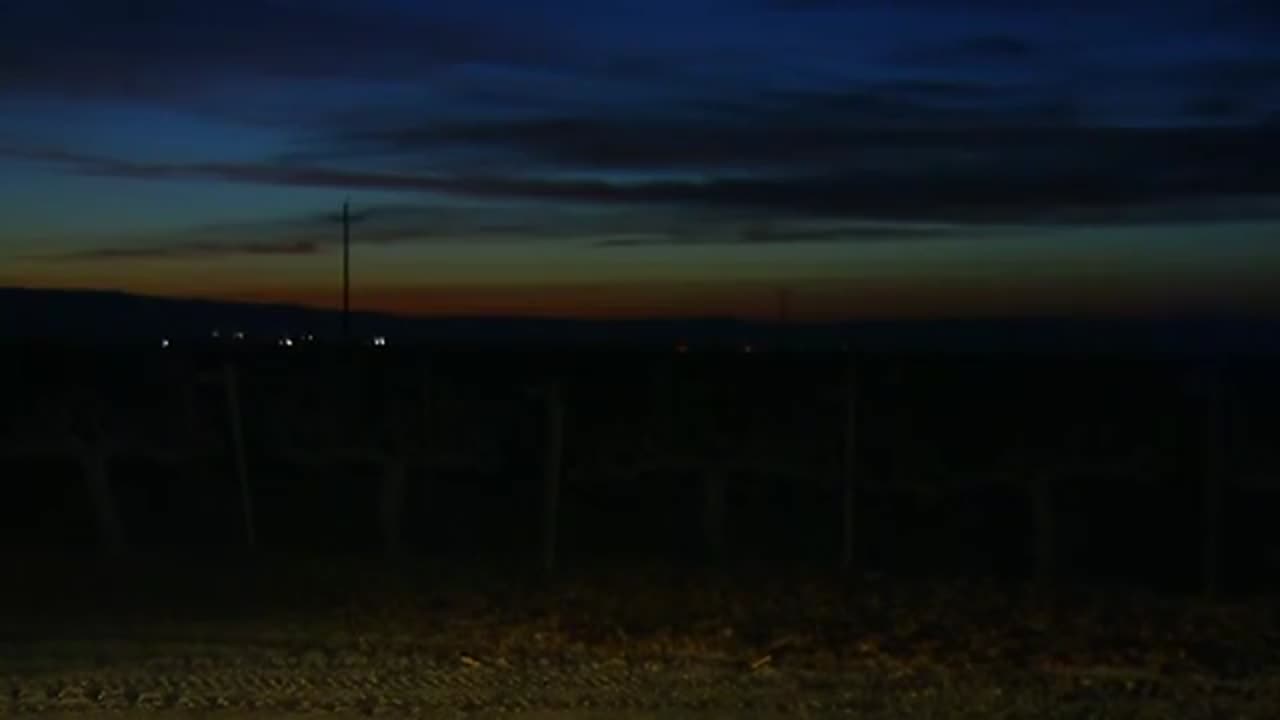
column 921, row 157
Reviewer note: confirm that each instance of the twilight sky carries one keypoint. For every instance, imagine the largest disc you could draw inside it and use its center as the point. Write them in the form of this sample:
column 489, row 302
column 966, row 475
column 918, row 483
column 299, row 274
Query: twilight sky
column 880, row 158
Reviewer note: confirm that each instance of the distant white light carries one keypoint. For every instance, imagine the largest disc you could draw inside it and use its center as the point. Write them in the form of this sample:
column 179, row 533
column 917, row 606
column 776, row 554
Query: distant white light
column 164, row 343
column 380, row 341
column 238, row 335
column 216, row 334
column 311, row 338
column 286, row 342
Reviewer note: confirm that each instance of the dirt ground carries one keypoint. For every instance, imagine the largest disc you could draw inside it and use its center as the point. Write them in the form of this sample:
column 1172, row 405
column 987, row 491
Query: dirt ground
column 533, row 715
column 284, row 640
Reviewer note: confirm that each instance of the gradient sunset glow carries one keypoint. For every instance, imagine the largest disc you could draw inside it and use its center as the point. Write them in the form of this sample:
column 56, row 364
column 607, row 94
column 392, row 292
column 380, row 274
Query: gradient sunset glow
column 874, row 159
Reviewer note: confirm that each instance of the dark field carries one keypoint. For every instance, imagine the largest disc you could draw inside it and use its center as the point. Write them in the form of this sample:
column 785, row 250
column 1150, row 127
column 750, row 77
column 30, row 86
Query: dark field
column 659, row 535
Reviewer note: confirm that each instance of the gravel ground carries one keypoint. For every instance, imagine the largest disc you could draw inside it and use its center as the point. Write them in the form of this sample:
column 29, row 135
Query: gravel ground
column 156, row 679
column 645, row 647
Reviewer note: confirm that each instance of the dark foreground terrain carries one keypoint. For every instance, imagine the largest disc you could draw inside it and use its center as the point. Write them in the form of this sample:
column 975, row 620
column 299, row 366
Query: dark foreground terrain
column 626, row 478
column 274, row 638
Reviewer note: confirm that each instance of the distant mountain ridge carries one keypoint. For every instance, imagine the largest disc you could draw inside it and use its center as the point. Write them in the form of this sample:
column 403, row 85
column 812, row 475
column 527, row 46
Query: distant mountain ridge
column 118, row 318
column 113, row 317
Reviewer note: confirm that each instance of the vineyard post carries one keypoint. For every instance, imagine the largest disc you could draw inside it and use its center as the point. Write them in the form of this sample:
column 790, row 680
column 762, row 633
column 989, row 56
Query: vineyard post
column 848, row 505
column 391, row 505
column 715, row 488
column 95, row 463
column 1041, row 492
column 554, row 466
column 236, row 419
column 1212, row 483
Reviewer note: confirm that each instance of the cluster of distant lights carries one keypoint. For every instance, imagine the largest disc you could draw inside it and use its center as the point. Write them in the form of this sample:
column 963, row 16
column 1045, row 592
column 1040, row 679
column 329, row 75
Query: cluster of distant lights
column 286, row 341
column 381, row 341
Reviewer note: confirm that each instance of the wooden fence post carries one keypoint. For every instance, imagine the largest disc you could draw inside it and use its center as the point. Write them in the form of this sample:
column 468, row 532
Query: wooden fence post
column 553, row 470
column 236, row 420
column 1041, row 492
column 1212, row 485
column 848, row 505
column 715, row 489
column 95, row 464
column 391, row 505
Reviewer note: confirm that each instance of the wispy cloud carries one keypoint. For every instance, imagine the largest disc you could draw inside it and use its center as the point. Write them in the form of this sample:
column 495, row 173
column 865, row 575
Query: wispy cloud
column 819, row 113
column 179, row 252
column 770, row 232
column 423, row 225
column 85, row 47
column 921, row 175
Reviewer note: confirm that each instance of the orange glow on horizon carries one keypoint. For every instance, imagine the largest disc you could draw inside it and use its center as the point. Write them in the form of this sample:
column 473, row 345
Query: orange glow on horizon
column 814, row 301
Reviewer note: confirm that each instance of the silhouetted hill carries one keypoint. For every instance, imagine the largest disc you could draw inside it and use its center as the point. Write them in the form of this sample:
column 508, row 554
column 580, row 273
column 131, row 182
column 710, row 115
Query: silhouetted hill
column 122, row 318
column 103, row 317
